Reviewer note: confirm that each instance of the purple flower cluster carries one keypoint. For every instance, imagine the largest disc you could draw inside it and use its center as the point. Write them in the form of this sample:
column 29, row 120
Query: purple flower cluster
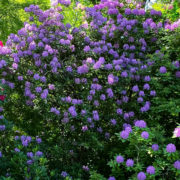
column 150, row 170
column 140, row 123
column 162, row 70
column 129, row 163
column 177, row 132
column 155, row 147
column 171, row 148
column 119, row 159
column 177, row 164
column 112, row 178
column 55, row 111
column 72, row 111
column 145, row 135
column 125, row 133
column 141, row 176
column 2, row 127
column 25, row 140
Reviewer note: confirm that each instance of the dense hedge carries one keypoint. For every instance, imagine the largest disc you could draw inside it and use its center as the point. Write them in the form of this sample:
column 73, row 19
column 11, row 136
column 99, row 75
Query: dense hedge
column 96, row 101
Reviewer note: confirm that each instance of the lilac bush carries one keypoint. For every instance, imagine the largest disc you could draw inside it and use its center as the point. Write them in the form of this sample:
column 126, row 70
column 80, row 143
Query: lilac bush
column 87, row 92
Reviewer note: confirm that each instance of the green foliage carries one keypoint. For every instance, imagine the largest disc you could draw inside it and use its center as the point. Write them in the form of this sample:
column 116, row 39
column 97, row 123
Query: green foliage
column 94, row 176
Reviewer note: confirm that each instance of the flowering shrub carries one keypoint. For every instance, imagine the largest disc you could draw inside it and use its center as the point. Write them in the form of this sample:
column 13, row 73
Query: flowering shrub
column 76, row 88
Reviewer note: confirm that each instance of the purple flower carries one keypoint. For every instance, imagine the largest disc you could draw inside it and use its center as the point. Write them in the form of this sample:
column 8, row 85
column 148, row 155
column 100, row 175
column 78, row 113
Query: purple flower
column 38, row 140
column 39, row 153
column 128, row 129
column 155, row 147
column 119, row 111
column 145, row 134
column 125, row 46
column 126, row 116
column 129, row 27
column 28, row 138
column 83, row 112
column 177, row 164
column 25, row 143
column 85, row 168
column 16, row 150
column 15, row 65
column 113, row 122
column 162, row 70
column 124, row 134
column 119, row 159
column 153, row 93
column 92, row 92
column 140, row 124
column 178, row 74
column 45, row 54
column 83, row 69
column 96, row 103
column 84, row 128
column 29, row 162
column 43, row 79
column 69, row 69
column 36, row 76
column 99, row 63
column 141, row 176
column 30, row 154
column 99, row 129
column 110, row 79
column 150, row 170
column 176, row 64
column 147, row 78
column 129, row 163
column 51, row 86
column 72, row 111
column 146, row 86
column 140, row 99
column 124, row 74
column 111, row 178
column 177, row 132
column 16, row 138
column 40, row 44
column 44, row 95
column 38, row 89
column 103, row 97
column 135, row 88
column 171, row 148
column 2, row 127
column 64, row 174
column 0, row 154
column 20, row 78
column 77, row 81
column 95, row 115
column 127, row 11
column 110, row 92
column 131, row 114
column 123, row 92
column 87, row 48
column 1, row 109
